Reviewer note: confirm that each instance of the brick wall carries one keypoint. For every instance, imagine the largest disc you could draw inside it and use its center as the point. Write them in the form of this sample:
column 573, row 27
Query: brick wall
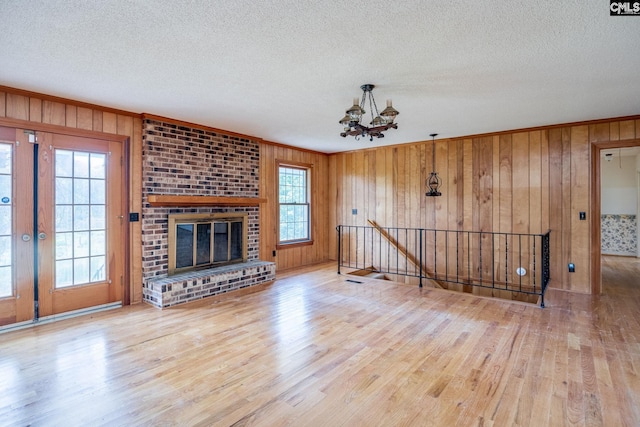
column 180, row 160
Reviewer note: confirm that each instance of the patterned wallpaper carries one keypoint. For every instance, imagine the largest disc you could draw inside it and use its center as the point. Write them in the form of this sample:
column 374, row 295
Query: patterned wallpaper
column 619, row 235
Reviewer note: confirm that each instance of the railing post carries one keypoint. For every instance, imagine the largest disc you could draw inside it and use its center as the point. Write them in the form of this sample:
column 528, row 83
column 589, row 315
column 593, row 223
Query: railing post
column 546, row 266
column 338, row 228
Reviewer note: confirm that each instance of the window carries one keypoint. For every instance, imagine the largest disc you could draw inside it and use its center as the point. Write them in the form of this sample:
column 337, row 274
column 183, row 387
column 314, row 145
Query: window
column 294, row 206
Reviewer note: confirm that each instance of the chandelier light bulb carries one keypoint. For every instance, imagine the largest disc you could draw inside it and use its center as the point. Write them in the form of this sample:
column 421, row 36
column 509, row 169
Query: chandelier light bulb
column 378, row 121
column 389, row 113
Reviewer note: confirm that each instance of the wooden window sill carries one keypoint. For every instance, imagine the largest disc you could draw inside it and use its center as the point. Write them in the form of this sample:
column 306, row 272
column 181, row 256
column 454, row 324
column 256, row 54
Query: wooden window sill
column 280, row 246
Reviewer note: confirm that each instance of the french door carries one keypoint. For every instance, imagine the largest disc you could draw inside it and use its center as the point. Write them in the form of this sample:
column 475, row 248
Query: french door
column 61, row 224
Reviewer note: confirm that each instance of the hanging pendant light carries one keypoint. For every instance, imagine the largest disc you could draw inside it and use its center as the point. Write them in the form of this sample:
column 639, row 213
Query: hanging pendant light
column 434, row 181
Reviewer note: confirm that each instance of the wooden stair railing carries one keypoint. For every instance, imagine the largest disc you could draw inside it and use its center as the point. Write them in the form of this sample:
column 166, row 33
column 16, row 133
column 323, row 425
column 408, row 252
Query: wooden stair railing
column 409, row 257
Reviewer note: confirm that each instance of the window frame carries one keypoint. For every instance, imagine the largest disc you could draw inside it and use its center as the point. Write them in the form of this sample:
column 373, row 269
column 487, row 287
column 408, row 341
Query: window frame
column 308, row 168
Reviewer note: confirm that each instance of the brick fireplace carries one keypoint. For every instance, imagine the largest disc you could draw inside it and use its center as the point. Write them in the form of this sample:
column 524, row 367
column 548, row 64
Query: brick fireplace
column 187, row 170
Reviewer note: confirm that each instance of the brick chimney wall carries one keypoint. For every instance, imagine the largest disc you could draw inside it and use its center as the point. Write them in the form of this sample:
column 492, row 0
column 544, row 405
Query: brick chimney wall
column 181, row 160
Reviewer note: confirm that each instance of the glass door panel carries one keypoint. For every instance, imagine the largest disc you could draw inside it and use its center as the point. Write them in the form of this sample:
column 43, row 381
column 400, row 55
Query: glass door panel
column 221, row 241
column 203, row 244
column 80, row 226
column 6, row 220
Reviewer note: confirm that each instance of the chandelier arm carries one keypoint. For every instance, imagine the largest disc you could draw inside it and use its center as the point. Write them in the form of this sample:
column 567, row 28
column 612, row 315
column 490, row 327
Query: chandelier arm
column 371, row 104
column 375, row 105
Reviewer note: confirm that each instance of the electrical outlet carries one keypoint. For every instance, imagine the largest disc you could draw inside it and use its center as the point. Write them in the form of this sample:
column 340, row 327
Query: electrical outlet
column 354, row 211
column 572, row 267
column 274, row 253
column 583, row 216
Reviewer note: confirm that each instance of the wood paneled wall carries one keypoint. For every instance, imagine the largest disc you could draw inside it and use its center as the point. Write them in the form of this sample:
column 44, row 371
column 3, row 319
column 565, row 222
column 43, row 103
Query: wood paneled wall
column 321, row 230
column 40, row 112
column 524, row 182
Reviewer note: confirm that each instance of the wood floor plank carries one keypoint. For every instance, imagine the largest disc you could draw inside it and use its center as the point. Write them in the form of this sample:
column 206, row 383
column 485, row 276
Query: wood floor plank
column 315, row 350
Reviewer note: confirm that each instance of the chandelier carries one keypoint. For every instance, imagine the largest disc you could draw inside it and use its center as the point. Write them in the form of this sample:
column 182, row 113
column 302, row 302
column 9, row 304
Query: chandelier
column 434, row 182
column 380, row 121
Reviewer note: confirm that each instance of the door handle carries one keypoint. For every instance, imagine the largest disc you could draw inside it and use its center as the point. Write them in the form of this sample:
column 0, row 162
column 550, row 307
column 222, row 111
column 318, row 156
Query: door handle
column 42, row 236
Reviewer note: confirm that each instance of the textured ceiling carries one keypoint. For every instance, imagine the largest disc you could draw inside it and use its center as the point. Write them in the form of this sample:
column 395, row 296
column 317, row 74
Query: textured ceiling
column 286, row 70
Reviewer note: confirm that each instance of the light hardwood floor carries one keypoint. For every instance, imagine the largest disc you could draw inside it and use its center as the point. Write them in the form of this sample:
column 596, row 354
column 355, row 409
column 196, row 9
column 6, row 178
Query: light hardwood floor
column 316, row 350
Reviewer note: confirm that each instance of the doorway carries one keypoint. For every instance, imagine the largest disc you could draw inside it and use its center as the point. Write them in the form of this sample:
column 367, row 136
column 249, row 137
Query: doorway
column 598, row 152
column 61, row 224
column 619, row 201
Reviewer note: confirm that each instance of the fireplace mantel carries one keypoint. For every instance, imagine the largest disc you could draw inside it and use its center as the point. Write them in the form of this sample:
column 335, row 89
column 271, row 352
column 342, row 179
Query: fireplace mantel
column 171, row 200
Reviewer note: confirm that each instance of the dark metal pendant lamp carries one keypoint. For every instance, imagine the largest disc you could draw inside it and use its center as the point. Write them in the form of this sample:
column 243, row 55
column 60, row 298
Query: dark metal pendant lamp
column 434, row 182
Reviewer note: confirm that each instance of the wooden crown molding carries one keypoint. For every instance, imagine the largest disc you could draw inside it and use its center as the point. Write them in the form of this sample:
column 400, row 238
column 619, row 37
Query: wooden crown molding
column 67, row 101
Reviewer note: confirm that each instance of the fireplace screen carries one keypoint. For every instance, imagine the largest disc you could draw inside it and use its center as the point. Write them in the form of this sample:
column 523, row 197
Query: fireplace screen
column 205, row 240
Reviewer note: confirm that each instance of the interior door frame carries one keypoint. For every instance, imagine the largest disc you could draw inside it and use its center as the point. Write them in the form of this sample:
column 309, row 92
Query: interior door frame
column 596, row 232
column 126, row 180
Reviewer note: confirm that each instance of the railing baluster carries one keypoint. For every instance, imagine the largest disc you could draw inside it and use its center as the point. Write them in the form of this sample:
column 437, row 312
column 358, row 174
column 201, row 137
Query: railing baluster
column 364, row 244
column 506, row 261
column 435, row 254
column 406, row 245
column 534, row 264
column 349, row 249
column 388, row 244
column 380, row 250
column 457, row 256
column 446, row 255
column 469, row 258
column 420, row 249
column 397, row 253
column 480, row 250
column 493, row 260
column 520, row 259
column 338, row 229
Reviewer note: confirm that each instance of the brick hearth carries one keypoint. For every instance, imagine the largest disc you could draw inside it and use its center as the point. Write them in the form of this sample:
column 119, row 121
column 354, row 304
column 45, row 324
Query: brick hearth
column 185, row 287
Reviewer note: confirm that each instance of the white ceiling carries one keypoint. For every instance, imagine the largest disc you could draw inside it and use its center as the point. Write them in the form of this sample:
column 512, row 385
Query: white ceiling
column 286, row 70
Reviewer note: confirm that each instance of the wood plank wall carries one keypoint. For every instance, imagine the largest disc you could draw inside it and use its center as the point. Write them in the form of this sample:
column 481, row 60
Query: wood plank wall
column 51, row 114
column 525, row 182
column 295, row 256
